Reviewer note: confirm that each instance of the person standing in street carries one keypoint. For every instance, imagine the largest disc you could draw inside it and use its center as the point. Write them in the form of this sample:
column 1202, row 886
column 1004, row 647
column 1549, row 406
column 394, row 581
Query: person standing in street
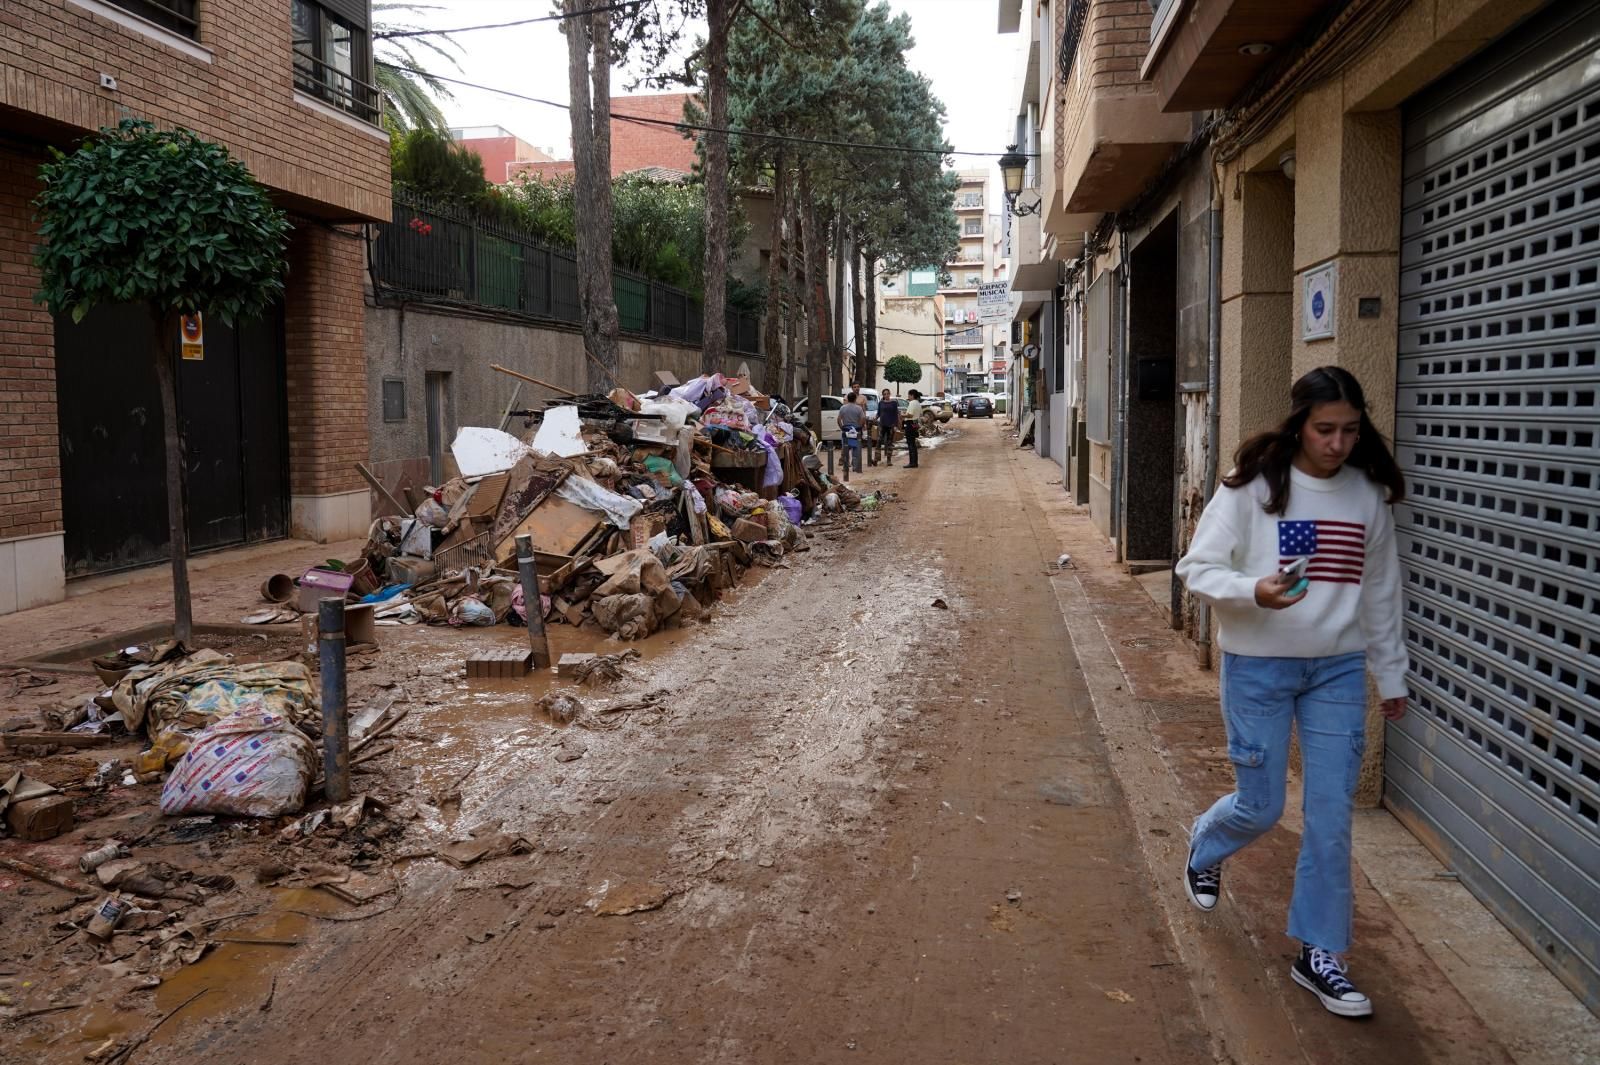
column 888, row 422
column 1297, row 553
column 913, row 427
column 852, row 424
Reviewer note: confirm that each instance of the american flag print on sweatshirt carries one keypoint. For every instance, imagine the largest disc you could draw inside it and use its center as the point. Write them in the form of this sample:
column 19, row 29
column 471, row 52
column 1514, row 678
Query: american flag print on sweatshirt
column 1337, row 549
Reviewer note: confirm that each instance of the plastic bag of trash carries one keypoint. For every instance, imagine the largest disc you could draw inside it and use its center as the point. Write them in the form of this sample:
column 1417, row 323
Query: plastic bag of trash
column 468, row 610
column 432, row 512
column 252, row 763
column 630, row 617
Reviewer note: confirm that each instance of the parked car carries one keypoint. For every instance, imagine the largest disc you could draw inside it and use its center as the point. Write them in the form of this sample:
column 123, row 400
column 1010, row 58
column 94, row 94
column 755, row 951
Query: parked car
column 977, row 406
column 830, row 414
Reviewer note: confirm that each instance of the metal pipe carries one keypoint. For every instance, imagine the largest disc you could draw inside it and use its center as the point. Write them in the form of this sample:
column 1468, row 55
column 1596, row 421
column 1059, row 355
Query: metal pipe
column 1213, row 386
column 335, row 721
column 528, row 571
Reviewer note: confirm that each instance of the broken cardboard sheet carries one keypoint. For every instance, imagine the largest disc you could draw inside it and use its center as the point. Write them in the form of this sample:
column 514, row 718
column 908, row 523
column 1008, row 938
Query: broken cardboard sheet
column 560, row 433
column 479, row 452
column 630, row 897
column 486, row 842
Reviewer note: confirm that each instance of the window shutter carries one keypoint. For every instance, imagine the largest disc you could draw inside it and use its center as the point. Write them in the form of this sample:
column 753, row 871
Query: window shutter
column 356, row 12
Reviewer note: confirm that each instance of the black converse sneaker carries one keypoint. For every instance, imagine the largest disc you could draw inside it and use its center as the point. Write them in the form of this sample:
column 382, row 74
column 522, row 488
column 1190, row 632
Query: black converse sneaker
column 1203, row 885
column 1322, row 974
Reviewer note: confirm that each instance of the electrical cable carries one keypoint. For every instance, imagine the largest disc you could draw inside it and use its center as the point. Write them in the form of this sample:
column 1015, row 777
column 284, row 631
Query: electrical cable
column 390, row 35
column 731, row 131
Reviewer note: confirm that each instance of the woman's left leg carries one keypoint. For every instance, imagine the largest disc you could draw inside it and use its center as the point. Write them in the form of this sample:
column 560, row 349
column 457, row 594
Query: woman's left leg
column 1331, row 716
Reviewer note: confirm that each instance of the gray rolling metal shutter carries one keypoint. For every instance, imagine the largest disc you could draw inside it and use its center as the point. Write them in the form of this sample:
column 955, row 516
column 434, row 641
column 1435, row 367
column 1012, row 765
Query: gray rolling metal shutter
column 1498, row 431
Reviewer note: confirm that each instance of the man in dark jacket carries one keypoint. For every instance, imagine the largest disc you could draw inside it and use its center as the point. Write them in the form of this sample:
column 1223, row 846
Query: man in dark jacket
column 888, row 422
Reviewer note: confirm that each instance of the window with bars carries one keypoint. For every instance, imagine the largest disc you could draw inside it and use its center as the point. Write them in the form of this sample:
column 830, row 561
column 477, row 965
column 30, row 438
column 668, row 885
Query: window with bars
column 175, row 15
column 333, row 55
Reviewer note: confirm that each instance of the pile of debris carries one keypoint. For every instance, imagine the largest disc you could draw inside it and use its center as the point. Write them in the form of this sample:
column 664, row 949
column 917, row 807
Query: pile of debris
column 643, row 510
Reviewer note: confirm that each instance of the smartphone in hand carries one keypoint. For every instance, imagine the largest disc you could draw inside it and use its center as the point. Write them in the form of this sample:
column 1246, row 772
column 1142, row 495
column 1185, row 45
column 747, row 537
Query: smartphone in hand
column 1296, row 573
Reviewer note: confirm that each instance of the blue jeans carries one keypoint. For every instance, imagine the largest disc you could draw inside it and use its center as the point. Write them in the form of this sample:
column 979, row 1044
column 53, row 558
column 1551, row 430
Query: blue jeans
column 1261, row 699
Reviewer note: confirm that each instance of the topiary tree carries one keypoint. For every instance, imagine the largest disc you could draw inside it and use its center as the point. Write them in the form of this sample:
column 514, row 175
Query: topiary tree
column 902, row 370
column 166, row 219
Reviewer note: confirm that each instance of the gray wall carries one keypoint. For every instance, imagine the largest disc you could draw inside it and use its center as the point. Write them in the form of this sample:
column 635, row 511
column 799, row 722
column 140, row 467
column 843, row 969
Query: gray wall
column 410, row 342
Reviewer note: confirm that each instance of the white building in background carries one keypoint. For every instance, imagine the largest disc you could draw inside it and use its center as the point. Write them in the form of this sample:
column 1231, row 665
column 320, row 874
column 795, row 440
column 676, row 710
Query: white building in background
column 976, row 355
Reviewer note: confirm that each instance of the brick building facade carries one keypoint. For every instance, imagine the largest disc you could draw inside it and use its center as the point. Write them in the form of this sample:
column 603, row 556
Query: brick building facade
column 285, row 85
column 635, row 145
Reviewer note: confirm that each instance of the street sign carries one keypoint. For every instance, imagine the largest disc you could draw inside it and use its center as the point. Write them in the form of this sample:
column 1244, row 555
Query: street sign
column 994, row 302
column 192, row 336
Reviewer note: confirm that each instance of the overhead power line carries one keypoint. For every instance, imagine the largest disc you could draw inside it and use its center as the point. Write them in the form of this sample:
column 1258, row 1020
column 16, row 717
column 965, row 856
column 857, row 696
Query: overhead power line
column 389, row 35
column 645, row 120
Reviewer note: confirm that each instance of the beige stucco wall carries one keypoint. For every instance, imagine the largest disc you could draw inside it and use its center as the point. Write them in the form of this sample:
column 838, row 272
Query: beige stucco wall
column 1343, row 208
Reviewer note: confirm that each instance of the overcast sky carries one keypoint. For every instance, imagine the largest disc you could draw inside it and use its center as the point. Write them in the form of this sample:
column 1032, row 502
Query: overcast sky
column 971, row 65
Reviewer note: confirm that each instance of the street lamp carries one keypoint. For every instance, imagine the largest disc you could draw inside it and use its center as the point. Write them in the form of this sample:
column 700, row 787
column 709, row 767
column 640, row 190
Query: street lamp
column 1014, row 171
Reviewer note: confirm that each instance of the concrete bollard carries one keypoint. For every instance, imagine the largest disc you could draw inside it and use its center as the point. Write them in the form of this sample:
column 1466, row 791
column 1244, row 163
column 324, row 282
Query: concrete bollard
column 335, row 720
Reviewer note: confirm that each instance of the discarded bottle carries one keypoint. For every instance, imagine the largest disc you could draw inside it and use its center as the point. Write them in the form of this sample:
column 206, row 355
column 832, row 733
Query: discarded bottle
column 101, row 855
column 107, row 916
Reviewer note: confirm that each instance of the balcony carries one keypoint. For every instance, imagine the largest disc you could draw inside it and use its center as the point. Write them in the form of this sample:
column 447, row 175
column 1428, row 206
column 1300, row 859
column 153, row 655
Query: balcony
column 1203, row 53
column 972, row 202
column 964, row 338
column 1104, row 136
column 338, row 88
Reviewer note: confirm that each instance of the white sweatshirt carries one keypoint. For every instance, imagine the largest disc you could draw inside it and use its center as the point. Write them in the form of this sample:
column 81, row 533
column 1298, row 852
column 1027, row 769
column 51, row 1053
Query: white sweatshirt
column 1353, row 603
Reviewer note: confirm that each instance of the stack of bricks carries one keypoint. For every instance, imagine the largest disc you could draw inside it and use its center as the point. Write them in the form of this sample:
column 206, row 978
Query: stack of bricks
column 499, row 663
column 30, row 471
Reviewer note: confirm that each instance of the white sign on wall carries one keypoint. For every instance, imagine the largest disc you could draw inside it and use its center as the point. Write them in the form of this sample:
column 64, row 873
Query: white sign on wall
column 1318, row 298
column 994, row 302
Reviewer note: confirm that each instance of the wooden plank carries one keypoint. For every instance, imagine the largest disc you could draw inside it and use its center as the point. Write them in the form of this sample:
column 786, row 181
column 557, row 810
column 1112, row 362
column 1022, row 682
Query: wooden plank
column 61, row 739
column 377, row 486
column 486, row 497
column 557, row 526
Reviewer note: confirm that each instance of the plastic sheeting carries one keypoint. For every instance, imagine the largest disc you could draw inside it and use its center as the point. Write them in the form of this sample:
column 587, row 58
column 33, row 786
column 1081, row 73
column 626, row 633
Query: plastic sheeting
column 619, row 509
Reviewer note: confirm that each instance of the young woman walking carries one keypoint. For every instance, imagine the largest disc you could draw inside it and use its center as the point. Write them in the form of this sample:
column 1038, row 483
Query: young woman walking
column 1298, row 648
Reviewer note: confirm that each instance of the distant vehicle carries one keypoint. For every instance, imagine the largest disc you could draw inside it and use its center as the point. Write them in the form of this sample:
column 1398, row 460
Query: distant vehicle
column 977, row 405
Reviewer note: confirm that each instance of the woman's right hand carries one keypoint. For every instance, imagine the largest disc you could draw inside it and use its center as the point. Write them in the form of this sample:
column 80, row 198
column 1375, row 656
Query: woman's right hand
column 1272, row 592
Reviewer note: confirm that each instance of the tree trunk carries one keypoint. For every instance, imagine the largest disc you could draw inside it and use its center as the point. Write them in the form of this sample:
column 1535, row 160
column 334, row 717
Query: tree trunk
column 869, row 372
column 814, row 299
column 771, row 325
column 591, row 157
column 838, row 298
column 794, row 298
column 163, row 328
column 714, row 345
column 858, row 374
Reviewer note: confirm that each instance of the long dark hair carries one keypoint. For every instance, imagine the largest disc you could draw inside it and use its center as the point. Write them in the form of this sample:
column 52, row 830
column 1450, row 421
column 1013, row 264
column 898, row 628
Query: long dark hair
column 1270, row 454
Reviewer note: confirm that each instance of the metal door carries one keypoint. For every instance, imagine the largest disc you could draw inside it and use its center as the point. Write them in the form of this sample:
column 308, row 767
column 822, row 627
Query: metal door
column 113, row 468
column 1498, row 764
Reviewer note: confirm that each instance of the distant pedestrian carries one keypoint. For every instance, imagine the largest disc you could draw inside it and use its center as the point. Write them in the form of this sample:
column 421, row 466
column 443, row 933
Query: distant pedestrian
column 913, row 427
column 852, row 424
column 888, row 422
column 1314, row 492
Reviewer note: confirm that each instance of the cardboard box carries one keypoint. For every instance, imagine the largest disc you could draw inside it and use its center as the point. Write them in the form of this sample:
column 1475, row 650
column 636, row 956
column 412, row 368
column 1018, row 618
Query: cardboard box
column 40, row 819
column 749, row 531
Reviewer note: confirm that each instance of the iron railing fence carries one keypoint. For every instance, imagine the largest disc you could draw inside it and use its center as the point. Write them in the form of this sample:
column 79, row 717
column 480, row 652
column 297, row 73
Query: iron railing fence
column 438, row 253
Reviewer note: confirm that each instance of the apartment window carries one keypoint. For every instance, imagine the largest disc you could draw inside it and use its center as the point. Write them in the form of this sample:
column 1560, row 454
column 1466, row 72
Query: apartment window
column 333, row 55
column 972, row 227
column 174, row 15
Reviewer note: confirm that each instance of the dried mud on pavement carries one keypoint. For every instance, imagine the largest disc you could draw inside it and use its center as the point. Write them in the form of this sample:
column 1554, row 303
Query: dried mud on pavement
column 839, row 823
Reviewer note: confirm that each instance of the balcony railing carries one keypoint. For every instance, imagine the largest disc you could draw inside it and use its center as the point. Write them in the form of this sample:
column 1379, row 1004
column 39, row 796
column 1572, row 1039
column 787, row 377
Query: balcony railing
column 969, row 203
column 965, row 338
column 328, row 83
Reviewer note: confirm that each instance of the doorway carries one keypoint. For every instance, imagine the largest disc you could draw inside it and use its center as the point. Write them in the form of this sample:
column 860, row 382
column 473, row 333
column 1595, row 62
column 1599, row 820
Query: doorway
column 439, row 414
column 1150, row 466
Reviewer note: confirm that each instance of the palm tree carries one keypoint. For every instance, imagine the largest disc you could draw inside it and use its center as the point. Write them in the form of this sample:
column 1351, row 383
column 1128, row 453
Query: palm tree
column 410, row 93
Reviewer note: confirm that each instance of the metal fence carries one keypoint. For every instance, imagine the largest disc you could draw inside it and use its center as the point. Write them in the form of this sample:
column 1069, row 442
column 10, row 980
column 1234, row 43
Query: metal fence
column 440, row 254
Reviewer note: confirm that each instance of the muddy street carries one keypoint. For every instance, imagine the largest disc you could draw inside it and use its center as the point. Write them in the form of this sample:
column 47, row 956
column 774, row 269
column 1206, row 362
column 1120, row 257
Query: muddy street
column 852, row 826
